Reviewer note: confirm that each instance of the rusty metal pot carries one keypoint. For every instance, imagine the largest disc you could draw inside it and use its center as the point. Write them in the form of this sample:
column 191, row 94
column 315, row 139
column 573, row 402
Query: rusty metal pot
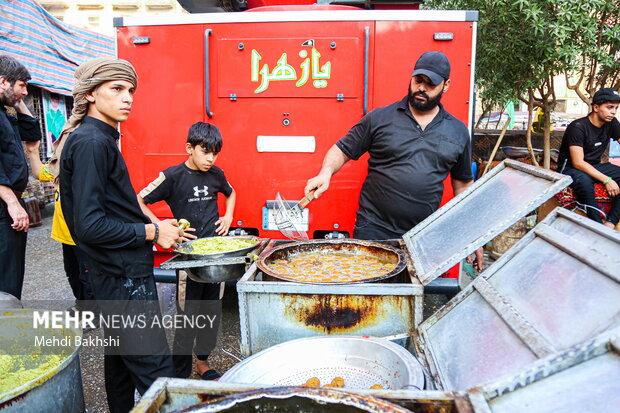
column 317, row 247
column 296, row 399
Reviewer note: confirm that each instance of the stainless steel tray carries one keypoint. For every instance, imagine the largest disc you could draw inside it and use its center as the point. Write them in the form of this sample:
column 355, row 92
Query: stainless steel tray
column 361, row 361
column 297, row 399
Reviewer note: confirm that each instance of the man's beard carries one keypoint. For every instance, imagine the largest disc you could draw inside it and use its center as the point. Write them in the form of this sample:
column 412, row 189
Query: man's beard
column 9, row 97
column 424, row 106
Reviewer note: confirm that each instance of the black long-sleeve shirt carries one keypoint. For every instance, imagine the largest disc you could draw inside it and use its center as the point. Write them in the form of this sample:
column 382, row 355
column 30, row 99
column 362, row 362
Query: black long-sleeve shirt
column 13, row 164
column 100, row 205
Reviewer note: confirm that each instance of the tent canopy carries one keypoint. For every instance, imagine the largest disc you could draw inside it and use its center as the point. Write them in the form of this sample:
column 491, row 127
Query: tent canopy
column 50, row 49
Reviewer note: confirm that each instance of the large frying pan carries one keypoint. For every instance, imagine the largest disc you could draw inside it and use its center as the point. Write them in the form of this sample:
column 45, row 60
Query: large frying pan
column 314, row 248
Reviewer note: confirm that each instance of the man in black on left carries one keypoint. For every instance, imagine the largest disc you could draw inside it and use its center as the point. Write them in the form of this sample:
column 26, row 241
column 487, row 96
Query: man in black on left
column 14, row 220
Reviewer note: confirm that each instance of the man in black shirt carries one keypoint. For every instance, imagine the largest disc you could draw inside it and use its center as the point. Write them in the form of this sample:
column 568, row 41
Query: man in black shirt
column 13, row 173
column 105, row 220
column 584, row 142
column 413, row 145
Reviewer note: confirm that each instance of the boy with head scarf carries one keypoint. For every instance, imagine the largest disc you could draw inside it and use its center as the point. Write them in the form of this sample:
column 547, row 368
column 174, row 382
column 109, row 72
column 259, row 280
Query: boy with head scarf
column 105, row 220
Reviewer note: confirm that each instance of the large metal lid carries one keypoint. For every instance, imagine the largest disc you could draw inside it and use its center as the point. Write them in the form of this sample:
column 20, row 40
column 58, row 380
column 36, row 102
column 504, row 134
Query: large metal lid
column 493, row 203
column 583, row 379
column 557, row 287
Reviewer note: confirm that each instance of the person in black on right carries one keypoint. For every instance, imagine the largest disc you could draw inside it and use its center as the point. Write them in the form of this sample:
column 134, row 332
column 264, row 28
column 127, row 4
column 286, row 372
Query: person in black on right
column 584, row 143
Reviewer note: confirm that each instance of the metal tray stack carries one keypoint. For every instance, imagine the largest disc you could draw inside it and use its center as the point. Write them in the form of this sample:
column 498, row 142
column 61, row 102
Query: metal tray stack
column 556, row 288
column 583, row 378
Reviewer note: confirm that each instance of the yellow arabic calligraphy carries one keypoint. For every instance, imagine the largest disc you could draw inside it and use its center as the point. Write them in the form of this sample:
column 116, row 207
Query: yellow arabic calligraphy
column 305, row 69
column 284, row 71
column 324, row 73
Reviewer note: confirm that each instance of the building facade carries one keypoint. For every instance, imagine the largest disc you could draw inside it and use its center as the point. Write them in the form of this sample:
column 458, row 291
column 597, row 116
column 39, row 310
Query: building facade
column 97, row 15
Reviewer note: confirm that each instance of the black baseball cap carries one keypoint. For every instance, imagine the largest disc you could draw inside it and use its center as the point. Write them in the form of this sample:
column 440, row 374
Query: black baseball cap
column 605, row 95
column 435, row 65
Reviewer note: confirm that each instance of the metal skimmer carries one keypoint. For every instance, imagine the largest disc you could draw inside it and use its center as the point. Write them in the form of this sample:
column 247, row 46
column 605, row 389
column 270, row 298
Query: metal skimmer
column 289, row 218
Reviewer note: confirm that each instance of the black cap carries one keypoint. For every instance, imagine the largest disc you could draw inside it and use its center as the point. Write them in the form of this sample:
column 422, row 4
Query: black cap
column 605, row 95
column 435, row 65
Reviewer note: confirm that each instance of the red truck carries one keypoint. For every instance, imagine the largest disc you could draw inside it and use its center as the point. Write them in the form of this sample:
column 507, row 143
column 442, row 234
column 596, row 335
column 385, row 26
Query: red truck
column 283, row 84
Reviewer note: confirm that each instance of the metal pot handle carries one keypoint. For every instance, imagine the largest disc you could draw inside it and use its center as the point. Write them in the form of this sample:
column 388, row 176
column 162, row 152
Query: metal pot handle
column 395, row 337
column 233, row 352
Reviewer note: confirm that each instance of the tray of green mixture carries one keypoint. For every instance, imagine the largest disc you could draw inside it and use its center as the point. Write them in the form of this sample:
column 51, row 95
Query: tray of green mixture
column 217, row 247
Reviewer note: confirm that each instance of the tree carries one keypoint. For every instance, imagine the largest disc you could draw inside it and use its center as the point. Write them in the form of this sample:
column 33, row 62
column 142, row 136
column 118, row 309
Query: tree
column 524, row 44
column 597, row 37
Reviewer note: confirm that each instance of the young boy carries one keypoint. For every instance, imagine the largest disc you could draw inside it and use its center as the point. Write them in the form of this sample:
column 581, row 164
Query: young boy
column 190, row 189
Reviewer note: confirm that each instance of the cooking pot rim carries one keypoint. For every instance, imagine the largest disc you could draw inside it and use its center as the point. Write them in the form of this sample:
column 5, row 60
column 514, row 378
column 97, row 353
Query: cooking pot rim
column 27, row 315
column 217, row 255
column 266, row 254
column 366, row 403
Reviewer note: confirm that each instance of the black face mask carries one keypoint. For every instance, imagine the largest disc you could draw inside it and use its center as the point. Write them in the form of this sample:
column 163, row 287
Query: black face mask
column 425, row 106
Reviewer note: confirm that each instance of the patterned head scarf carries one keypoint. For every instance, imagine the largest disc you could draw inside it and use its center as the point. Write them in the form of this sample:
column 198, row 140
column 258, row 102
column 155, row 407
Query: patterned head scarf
column 88, row 76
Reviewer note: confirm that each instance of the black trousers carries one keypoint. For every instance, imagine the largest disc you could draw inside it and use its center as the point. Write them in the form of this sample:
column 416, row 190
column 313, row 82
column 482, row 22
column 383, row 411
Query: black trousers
column 193, row 299
column 77, row 274
column 125, row 374
column 144, row 354
column 12, row 254
column 583, row 185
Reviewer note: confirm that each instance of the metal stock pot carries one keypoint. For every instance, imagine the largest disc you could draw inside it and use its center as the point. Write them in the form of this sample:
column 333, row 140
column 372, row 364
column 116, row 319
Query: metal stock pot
column 40, row 378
